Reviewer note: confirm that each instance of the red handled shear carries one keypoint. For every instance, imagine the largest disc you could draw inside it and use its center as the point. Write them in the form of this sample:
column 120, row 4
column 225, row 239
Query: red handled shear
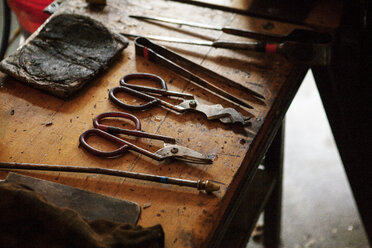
column 111, row 133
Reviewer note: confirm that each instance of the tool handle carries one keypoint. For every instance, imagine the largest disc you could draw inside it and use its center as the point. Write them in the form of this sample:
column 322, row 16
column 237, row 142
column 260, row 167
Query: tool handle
column 252, row 34
column 296, row 35
column 301, row 53
column 124, row 81
column 97, row 132
column 133, row 132
column 251, row 46
column 259, row 46
column 153, row 101
column 112, row 129
column 124, row 145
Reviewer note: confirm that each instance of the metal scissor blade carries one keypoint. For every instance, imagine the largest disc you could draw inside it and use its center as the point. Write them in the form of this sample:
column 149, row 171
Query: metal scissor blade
column 225, row 115
column 234, row 117
column 183, row 153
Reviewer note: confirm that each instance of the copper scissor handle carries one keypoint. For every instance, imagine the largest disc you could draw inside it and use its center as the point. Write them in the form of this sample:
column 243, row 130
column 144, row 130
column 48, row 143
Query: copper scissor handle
column 98, row 132
column 107, row 133
column 112, row 129
column 124, row 81
column 137, row 90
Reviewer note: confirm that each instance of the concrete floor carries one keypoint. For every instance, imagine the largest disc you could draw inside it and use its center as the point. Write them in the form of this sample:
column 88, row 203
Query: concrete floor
column 318, row 206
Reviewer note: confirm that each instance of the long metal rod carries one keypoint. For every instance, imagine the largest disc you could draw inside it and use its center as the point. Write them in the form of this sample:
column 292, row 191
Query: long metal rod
column 296, row 52
column 171, row 39
column 296, row 35
column 175, row 21
column 247, row 45
column 224, row 29
column 246, row 12
column 206, row 185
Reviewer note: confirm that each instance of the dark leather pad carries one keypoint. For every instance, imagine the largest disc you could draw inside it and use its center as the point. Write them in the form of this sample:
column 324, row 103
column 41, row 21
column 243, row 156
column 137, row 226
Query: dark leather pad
column 65, row 54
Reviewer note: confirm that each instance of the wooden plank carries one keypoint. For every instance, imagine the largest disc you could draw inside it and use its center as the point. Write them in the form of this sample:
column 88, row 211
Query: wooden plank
column 36, row 127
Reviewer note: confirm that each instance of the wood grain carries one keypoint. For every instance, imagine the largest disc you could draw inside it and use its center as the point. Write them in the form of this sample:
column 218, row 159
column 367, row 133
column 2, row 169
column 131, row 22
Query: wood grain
column 36, row 127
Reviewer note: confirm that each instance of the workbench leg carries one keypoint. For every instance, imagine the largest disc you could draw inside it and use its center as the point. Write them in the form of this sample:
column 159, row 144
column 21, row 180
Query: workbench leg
column 345, row 101
column 345, row 88
column 273, row 208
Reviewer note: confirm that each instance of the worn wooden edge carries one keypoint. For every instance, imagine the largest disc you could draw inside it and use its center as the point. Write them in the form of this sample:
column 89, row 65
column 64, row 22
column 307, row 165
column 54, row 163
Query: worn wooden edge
column 244, row 221
column 258, row 149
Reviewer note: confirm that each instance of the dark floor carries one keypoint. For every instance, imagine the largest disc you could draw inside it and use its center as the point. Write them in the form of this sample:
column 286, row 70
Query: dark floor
column 318, row 207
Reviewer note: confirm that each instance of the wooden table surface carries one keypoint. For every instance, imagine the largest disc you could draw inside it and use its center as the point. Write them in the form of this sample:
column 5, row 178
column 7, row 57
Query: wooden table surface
column 39, row 128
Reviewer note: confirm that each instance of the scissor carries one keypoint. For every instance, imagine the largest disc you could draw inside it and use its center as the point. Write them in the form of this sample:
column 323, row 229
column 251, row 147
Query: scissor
column 225, row 115
column 170, row 149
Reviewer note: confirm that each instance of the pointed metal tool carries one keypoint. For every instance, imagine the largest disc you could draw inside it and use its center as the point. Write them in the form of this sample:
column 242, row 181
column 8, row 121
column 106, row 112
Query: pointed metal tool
column 301, row 46
column 297, row 35
column 201, row 184
column 296, row 52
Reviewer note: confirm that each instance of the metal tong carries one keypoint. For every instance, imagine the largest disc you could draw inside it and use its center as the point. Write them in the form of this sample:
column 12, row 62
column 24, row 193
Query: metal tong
column 300, row 46
column 225, row 115
column 184, row 68
column 169, row 151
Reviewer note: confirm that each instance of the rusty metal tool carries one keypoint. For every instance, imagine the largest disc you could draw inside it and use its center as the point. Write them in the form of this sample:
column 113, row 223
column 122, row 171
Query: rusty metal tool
column 186, row 68
column 201, row 184
column 296, row 35
column 216, row 111
column 169, row 151
column 261, row 12
column 301, row 53
column 90, row 205
column 299, row 46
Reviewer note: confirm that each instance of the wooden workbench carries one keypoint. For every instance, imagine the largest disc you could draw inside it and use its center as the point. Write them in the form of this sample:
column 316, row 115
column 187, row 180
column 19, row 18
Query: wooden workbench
column 39, row 128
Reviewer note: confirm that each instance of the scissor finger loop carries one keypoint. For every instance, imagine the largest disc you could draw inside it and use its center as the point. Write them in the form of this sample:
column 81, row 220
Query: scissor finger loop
column 134, row 132
column 153, row 101
column 124, row 81
column 111, row 129
column 107, row 136
column 125, row 145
